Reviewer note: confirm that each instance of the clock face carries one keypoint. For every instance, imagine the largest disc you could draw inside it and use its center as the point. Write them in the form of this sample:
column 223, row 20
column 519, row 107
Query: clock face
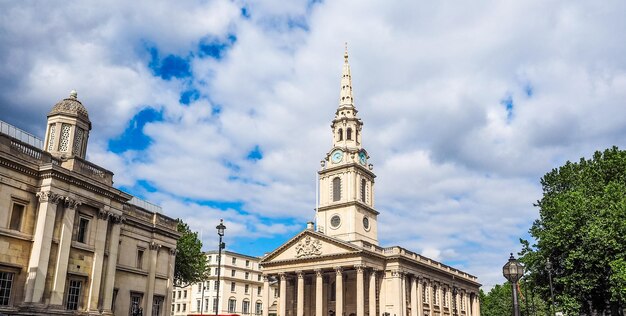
column 366, row 223
column 337, row 156
column 335, row 221
column 362, row 158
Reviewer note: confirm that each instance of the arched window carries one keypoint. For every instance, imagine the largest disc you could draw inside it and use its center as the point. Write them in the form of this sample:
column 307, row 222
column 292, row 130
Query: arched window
column 349, row 134
column 336, row 189
column 363, row 189
column 340, row 134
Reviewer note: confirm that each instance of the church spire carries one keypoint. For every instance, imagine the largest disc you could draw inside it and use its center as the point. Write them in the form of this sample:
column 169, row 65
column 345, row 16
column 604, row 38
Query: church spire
column 346, row 99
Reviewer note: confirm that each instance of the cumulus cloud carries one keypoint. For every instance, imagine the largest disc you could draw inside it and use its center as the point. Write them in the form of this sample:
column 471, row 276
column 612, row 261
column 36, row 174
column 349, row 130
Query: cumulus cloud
column 465, row 107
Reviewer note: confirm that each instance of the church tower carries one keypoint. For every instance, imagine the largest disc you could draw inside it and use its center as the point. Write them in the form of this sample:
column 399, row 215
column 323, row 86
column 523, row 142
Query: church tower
column 68, row 128
column 346, row 207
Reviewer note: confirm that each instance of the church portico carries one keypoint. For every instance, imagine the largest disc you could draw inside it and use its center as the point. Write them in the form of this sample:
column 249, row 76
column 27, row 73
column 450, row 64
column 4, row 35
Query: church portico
column 336, row 267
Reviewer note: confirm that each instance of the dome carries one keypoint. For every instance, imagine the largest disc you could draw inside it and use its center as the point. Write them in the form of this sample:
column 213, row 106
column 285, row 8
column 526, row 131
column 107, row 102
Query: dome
column 70, row 106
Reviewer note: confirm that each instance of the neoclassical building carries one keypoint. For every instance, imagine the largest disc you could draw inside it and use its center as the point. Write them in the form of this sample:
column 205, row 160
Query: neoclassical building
column 337, row 268
column 71, row 243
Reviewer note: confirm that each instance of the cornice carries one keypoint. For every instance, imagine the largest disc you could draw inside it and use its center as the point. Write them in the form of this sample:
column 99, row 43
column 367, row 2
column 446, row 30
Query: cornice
column 349, row 203
column 347, row 166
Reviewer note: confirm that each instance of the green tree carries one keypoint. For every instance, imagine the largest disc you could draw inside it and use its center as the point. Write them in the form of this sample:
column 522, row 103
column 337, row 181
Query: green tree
column 581, row 230
column 499, row 301
column 190, row 260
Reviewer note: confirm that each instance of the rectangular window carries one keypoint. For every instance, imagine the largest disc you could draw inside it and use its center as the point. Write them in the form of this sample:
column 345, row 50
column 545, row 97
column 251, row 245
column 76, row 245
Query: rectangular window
column 157, row 305
column 16, row 217
column 247, row 289
column 208, row 259
column 232, row 286
column 185, row 294
column 259, row 308
column 206, row 304
column 216, row 271
column 199, row 287
column 83, row 226
column 140, row 252
column 215, row 305
column 179, row 294
column 258, row 277
column 198, row 305
column 247, row 263
column 6, row 283
column 247, row 275
column 258, row 291
column 232, row 304
column 234, row 261
column 209, row 271
column 184, row 307
column 135, row 303
column 73, row 294
column 178, row 307
column 232, row 273
column 215, row 285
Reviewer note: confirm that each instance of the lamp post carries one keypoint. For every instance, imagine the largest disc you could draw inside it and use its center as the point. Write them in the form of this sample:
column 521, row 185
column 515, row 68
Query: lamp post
column 513, row 271
column 220, row 231
column 549, row 268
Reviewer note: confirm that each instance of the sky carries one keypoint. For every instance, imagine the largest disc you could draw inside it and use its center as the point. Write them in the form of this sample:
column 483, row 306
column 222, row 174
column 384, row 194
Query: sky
column 222, row 109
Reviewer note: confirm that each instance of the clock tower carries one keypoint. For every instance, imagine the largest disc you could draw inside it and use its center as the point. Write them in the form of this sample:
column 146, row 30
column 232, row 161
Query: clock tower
column 346, row 206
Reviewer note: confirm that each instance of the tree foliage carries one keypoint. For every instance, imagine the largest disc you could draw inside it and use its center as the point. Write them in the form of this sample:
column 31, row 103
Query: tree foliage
column 499, row 301
column 190, row 260
column 581, row 230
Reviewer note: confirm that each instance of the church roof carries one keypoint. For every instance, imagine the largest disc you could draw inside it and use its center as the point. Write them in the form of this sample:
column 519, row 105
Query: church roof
column 70, row 106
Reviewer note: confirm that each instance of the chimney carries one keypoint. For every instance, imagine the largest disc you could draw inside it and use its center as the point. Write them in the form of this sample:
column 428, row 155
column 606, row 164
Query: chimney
column 310, row 226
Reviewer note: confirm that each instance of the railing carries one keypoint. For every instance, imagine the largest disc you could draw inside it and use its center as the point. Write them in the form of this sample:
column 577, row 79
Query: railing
column 28, row 138
column 145, row 205
column 93, row 171
column 409, row 254
column 26, row 149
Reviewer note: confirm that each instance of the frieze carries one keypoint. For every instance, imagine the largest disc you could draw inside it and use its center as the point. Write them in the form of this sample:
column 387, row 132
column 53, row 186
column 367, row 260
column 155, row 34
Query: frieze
column 308, row 247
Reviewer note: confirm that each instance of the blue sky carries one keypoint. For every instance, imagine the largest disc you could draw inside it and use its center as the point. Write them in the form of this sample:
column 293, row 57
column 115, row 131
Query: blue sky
column 221, row 109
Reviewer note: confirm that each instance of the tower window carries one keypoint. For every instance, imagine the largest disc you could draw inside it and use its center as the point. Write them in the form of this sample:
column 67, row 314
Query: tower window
column 65, row 137
column 340, row 132
column 336, row 189
column 51, row 137
column 78, row 141
column 349, row 134
column 363, row 189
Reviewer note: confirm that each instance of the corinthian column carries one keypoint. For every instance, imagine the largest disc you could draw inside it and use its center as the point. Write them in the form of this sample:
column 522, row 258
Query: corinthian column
column 154, row 251
column 319, row 293
column 360, row 291
column 414, row 306
column 372, row 294
column 300, row 299
column 283, row 294
column 266, row 295
column 40, row 251
column 63, row 251
column 339, row 291
column 114, row 243
column 98, row 260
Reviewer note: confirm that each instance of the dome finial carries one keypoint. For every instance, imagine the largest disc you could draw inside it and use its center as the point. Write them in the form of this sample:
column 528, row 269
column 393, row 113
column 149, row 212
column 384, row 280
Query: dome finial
column 345, row 54
column 73, row 94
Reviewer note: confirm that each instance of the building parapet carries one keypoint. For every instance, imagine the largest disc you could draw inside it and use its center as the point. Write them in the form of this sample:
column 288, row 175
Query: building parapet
column 399, row 251
column 25, row 137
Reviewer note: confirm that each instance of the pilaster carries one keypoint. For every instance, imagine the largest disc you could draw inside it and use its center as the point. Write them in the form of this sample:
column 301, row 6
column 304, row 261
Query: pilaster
column 63, row 251
column 414, row 306
column 114, row 242
column 98, row 261
column 154, row 252
column 372, row 293
column 360, row 291
column 339, row 291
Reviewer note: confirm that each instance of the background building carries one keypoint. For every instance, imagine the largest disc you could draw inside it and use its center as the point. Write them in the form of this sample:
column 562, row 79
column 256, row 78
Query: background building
column 71, row 243
column 240, row 288
column 339, row 268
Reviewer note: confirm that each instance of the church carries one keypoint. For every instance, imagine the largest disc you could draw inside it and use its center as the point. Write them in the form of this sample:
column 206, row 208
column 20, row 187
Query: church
column 336, row 266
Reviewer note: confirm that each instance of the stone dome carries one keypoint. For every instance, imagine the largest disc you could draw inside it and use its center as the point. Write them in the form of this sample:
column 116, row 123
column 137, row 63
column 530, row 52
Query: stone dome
column 70, row 106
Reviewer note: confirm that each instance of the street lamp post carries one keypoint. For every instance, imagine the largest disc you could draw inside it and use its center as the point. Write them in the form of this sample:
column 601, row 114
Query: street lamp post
column 549, row 268
column 513, row 271
column 220, row 231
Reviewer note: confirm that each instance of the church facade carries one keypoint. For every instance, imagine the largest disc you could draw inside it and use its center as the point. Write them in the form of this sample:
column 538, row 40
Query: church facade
column 337, row 268
column 71, row 243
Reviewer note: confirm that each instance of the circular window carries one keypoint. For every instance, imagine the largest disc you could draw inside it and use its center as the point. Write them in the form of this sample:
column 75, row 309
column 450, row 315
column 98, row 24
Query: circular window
column 335, row 221
column 366, row 223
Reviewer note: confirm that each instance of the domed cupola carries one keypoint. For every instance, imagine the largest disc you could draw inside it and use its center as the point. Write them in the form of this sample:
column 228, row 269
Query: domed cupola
column 68, row 128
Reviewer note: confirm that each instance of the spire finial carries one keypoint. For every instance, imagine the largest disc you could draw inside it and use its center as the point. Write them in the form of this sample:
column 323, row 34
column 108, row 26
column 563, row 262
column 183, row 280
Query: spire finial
column 73, row 94
column 345, row 54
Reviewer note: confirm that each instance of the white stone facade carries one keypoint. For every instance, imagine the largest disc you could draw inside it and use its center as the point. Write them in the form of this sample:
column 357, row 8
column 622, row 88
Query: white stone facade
column 338, row 269
column 71, row 243
column 241, row 289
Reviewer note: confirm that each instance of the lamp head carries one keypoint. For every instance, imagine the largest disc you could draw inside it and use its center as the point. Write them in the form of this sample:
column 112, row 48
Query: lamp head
column 220, row 228
column 513, row 270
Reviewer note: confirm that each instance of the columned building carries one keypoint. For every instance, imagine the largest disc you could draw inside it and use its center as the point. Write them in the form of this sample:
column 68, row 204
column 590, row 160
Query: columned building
column 71, row 243
column 337, row 267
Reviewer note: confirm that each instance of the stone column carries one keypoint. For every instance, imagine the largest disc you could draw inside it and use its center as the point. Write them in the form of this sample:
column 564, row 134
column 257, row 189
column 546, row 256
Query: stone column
column 63, row 251
column 420, row 302
column 114, row 243
column 477, row 305
column 414, row 306
column 98, row 260
column 170, row 279
column 360, row 291
column 339, row 291
column 266, row 295
column 300, row 298
column 154, row 252
column 283, row 294
column 319, row 293
column 40, row 251
column 403, row 306
column 372, row 293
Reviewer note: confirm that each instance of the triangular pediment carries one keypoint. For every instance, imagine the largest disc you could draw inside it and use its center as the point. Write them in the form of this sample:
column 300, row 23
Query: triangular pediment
column 309, row 244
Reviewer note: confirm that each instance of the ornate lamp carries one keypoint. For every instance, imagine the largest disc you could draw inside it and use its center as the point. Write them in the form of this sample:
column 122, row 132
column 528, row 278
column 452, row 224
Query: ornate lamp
column 513, row 271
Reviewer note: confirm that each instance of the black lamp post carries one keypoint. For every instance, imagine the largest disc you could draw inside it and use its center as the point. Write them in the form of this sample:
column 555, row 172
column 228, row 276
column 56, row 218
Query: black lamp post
column 549, row 268
column 513, row 271
column 220, row 231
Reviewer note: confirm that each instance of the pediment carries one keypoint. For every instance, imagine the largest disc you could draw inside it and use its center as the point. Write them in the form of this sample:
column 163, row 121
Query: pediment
column 309, row 244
